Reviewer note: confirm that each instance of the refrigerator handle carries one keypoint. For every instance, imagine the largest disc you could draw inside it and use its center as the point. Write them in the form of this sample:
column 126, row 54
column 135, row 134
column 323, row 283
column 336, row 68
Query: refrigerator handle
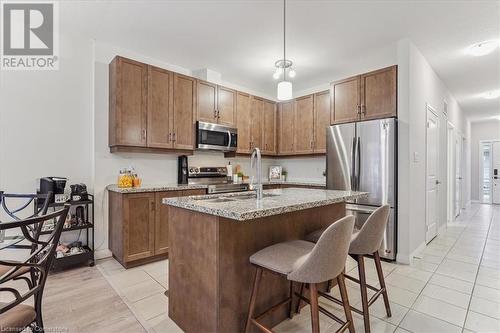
column 358, row 162
column 353, row 164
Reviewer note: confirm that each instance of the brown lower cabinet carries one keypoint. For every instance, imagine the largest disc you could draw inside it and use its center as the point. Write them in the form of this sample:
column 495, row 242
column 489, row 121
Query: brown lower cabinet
column 138, row 225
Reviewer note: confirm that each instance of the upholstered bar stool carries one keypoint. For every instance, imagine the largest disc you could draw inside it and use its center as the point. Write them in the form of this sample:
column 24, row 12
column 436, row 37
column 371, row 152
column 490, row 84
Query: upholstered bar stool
column 365, row 243
column 309, row 263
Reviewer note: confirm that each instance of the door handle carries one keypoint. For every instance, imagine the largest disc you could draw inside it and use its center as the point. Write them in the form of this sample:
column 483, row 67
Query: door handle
column 174, row 137
column 353, row 164
column 438, row 182
column 170, row 137
column 144, row 134
column 362, row 107
column 358, row 162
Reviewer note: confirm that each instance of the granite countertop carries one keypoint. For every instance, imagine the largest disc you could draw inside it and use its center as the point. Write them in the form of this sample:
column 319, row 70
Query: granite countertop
column 154, row 188
column 244, row 206
column 159, row 187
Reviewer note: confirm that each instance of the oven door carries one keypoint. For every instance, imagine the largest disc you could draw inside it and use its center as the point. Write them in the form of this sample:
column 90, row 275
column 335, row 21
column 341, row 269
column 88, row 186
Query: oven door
column 216, row 137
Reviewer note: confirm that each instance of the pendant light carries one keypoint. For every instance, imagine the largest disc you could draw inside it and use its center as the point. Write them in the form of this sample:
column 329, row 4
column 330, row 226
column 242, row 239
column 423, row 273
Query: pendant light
column 285, row 89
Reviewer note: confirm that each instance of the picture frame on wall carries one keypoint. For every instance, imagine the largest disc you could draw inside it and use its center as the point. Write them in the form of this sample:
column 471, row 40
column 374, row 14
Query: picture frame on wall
column 275, row 173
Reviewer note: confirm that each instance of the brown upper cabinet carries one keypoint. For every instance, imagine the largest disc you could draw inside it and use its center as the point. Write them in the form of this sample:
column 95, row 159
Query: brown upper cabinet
column 379, row 93
column 321, row 120
column 286, row 126
column 368, row 96
column 160, row 91
column 150, row 107
column 269, row 127
column 183, row 110
column 304, row 120
column 256, row 109
column 128, row 96
column 216, row 104
column 243, row 106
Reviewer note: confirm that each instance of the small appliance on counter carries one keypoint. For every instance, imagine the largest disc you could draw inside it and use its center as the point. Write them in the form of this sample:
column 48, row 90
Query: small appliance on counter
column 79, row 192
column 182, row 170
column 56, row 185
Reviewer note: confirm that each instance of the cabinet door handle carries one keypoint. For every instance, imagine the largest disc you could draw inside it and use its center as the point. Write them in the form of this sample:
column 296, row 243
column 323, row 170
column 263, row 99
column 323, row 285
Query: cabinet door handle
column 215, row 113
column 174, row 137
column 169, row 136
column 358, row 108
column 363, row 109
column 152, row 206
column 218, row 114
column 144, row 134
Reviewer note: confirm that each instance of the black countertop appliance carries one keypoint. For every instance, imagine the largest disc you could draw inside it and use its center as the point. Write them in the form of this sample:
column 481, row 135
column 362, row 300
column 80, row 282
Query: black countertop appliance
column 55, row 185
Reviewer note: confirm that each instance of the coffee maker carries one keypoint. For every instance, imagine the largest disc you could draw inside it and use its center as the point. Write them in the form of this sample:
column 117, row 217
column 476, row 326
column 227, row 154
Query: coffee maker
column 182, row 169
column 56, row 185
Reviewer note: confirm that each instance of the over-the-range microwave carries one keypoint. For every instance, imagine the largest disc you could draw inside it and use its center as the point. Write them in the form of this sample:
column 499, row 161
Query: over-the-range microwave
column 216, row 137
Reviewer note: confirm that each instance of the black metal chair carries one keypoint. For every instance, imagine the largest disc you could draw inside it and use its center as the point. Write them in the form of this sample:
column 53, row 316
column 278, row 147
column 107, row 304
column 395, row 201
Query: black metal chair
column 15, row 316
column 13, row 213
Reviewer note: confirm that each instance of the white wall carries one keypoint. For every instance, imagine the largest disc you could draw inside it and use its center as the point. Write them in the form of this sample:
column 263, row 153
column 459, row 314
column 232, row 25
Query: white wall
column 419, row 85
column 484, row 130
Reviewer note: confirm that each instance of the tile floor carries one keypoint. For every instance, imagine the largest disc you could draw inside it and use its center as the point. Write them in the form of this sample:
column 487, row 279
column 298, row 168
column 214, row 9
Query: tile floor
column 452, row 286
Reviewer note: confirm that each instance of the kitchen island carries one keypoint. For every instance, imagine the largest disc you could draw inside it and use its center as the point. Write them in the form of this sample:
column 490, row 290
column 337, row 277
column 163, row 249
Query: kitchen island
column 211, row 239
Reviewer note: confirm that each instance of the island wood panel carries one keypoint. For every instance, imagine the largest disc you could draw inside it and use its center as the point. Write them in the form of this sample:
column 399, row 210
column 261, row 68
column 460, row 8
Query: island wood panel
column 159, row 130
column 286, row 128
column 213, row 254
column 128, row 102
column 207, row 102
column 226, row 106
column 243, row 105
column 193, row 271
column 184, row 108
column 346, row 99
column 378, row 93
column 304, row 120
column 321, row 120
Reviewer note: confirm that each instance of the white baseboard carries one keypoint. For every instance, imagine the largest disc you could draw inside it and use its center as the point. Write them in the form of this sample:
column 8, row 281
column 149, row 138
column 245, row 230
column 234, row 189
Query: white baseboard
column 474, row 201
column 416, row 252
column 103, row 253
column 442, row 229
column 402, row 258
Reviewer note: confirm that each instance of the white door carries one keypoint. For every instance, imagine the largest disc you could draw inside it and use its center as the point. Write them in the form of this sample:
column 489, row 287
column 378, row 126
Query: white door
column 495, row 195
column 432, row 174
column 458, row 173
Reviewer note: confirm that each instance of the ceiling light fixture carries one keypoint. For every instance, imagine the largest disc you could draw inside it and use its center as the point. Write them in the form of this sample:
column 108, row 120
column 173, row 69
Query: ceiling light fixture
column 490, row 94
column 483, row 48
column 285, row 89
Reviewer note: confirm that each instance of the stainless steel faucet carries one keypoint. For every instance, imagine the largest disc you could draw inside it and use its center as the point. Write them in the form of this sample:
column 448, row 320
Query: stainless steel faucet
column 256, row 156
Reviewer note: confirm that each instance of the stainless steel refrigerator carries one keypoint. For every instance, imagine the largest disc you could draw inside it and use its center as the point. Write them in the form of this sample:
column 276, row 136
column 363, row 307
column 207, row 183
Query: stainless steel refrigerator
column 362, row 156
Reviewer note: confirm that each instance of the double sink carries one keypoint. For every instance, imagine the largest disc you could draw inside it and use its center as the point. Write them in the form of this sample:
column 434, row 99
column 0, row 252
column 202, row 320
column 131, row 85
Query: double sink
column 237, row 197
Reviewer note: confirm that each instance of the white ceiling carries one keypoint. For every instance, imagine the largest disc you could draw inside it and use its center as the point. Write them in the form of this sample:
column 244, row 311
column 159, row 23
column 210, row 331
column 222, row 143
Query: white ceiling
column 242, row 39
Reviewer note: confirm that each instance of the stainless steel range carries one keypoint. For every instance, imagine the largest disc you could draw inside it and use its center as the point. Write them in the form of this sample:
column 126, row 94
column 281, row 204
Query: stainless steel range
column 215, row 178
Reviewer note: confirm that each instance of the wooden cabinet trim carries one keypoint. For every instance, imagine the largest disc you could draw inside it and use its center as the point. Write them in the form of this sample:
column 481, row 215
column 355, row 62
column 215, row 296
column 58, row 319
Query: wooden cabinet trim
column 303, row 134
column 184, row 120
column 226, row 113
column 208, row 115
column 321, row 120
column 151, row 121
column 387, row 97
